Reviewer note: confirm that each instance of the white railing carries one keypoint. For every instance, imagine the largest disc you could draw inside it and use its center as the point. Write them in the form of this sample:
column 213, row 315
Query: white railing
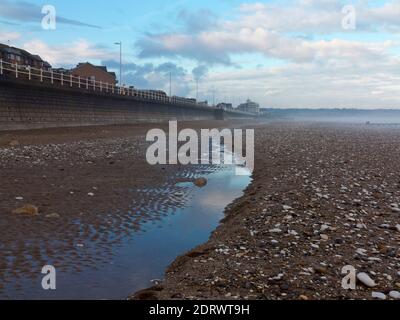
column 33, row 74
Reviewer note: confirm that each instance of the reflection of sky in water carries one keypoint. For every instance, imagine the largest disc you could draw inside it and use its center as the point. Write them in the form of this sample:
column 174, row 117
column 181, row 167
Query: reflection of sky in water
column 144, row 255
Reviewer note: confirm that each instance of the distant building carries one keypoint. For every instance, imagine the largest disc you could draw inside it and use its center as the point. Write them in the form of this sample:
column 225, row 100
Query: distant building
column 250, row 107
column 158, row 93
column 22, row 57
column 203, row 103
column 225, row 106
column 94, row 73
column 184, row 100
column 62, row 70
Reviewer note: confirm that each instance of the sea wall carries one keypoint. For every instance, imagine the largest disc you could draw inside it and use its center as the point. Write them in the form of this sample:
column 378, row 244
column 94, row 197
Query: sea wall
column 30, row 104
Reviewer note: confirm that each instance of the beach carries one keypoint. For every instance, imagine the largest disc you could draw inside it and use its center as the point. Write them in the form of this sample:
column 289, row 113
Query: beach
column 322, row 197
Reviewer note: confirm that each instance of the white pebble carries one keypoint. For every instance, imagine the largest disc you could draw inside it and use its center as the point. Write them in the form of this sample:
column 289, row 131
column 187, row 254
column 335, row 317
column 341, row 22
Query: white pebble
column 366, row 279
column 378, row 295
column 394, row 295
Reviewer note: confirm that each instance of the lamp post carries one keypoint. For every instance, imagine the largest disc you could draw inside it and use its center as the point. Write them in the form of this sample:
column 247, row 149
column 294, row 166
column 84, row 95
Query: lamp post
column 120, row 62
column 170, row 83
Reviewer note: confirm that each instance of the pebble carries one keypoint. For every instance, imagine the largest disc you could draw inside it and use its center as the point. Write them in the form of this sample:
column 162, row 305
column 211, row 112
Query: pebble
column 200, row 182
column 378, row 295
column 398, row 227
column 19, row 198
column 27, row 209
column 276, row 230
column 324, row 227
column 394, row 295
column 366, row 280
column 53, row 216
column 90, row 194
column 324, row 237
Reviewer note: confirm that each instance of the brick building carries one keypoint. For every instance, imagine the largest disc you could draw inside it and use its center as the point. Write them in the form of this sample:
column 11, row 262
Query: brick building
column 22, row 57
column 95, row 73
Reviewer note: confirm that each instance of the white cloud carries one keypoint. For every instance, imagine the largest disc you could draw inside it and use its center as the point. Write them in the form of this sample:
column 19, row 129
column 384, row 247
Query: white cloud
column 68, row 54
column 9, row 36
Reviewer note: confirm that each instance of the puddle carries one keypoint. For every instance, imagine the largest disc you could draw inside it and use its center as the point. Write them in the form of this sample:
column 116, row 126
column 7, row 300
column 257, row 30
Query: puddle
column 130, row 252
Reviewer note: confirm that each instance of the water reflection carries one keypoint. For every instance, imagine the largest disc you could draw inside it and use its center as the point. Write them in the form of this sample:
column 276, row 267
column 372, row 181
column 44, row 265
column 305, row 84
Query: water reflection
column 111, row 256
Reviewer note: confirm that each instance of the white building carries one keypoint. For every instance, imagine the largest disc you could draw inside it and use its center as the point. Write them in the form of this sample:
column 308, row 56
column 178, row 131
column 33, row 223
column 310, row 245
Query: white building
column 250, row 107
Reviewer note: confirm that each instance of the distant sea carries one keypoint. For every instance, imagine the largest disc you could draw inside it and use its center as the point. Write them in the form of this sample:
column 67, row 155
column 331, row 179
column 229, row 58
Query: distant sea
column 376, row 116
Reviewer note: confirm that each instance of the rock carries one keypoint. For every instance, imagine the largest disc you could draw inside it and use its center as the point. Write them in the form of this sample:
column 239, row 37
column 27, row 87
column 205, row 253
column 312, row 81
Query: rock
column 53, row 216
column 19, row 198
column 14, row 143
column 398, row 227
column 287, row 208
column 366, row 280
column 200, row 182
column 320, row 270
column 275, row 230
column 396, row 210
column 324, row 237
column 274, row 242
column 303, row 297
column 90, row 194
column 28, row 209
column 394, row 295
column 324, row 228
column 378, row 295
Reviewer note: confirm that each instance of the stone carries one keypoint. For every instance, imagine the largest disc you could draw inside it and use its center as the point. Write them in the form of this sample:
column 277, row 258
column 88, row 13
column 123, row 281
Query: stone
column 324, row 228
column 200, row 182
column 366, row 280
column 394, row 295
column 275, row 230
column 28, row 209
column 90, row 194
column 378, row 295
column 398, row 227
column 19, row 198
column 320, row 270
column 324, row 237
column 303, row 297
column 53, row 216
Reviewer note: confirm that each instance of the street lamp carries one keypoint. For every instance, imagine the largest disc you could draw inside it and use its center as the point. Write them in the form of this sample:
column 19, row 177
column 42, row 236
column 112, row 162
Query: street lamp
column 120, row 62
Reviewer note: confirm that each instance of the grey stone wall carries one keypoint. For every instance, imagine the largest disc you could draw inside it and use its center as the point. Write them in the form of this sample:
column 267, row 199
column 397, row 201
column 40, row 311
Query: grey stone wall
column 28, row 104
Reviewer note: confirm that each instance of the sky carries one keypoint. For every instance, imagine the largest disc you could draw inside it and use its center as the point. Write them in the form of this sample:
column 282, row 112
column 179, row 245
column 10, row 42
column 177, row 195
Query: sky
column 281, row 54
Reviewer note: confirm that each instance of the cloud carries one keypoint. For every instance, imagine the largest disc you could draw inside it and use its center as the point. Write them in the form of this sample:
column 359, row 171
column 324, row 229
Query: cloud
column 9, row 36
column 23, row 11
column 218, row 46
column 150, row 76
column 68, row 54
column 200, row 72
column 195, row 21
column 277, row 31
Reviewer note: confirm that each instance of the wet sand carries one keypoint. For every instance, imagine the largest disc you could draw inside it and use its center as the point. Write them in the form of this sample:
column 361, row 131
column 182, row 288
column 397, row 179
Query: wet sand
column 323, row 196
column 93, row 188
